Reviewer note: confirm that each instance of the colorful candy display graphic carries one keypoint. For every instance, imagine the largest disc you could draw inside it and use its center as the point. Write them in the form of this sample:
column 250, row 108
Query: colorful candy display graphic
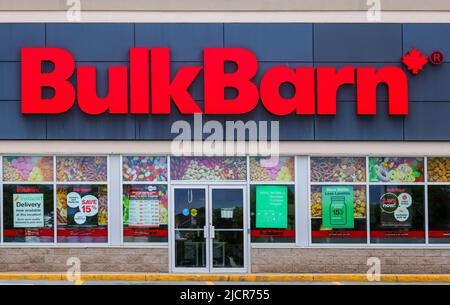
column 144, row 168
column 27, row 168
column 402, row 169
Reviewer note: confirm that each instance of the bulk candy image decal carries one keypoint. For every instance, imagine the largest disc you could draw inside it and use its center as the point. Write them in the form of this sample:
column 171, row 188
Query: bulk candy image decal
column 144, row 168
column 27, row 168
column 272, row 169
column 208, row 168
column 332, row 169
column 439, row 169
column 81, row 169
column 402, row 169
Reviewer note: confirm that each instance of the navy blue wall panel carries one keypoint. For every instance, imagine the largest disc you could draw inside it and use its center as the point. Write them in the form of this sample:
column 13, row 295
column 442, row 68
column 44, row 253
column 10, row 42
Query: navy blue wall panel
column 357, row 42
column 302, row 44
column 93, row 42
column 9, row 81
column 272, row 42
column 15, row 36
column 428, row 121
column 186, row 41
column 431, row 84
column 74, row 125
column 347, row 125
column 15, row 126
column 427, row 38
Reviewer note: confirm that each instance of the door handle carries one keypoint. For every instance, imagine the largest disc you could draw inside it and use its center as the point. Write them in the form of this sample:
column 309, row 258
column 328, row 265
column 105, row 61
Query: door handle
column 206, row 231
column 213, row 232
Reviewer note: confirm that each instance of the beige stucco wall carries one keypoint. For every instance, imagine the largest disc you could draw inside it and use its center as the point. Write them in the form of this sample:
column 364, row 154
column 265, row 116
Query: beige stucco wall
column 225, row 10
column 227, row 5
column 335, row 148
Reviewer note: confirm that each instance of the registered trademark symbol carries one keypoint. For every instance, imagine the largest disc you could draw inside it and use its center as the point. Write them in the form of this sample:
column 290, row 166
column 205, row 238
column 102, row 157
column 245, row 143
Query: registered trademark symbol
column 436, row 57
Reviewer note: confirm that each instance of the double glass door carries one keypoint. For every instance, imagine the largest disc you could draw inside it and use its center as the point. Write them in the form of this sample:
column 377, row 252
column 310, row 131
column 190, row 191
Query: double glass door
column 208, row 228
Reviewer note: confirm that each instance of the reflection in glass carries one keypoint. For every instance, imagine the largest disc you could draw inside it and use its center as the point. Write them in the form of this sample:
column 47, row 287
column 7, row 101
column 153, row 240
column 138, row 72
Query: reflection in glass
column 189, row 205
column 228, row 249
column 190, row 249
column 439, row 213
column 227, row 208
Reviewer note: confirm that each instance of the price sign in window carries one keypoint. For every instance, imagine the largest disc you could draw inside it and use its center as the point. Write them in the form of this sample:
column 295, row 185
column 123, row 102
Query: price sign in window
column 145, row 214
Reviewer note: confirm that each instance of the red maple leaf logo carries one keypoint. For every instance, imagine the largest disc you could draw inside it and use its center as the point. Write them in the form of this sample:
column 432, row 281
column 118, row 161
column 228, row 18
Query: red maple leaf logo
column 414, row 60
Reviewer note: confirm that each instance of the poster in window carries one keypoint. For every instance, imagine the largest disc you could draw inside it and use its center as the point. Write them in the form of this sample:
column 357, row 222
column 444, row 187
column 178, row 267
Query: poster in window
column 395, row 208
column 271, row 207
column 337, row 207
column 144, row 209
column 82, row 208
column 28, row 210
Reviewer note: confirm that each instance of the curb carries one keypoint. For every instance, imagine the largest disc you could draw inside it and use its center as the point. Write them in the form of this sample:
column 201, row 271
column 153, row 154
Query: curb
column 430, row 278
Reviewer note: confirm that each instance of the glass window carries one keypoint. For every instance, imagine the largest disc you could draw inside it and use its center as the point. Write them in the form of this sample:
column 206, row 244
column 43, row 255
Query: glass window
column 338, row 214
column 28, row 213
column 338, row 211
column 80, row 169
column 82, row 213
column 145, row 215
column 401, row 169
column 28, row 169
column 272, row 213
column 272, row 169
column 208, row 168
column 397, row 214
column 144, row 168
column 338, row 169
column 439, row 213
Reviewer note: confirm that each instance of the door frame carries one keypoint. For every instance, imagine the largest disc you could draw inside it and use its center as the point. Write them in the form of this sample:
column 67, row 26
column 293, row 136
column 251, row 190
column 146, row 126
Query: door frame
column 208, row 187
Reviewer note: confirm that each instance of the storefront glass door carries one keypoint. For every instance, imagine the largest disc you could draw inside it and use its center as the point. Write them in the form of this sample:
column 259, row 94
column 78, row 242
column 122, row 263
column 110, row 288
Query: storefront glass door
column 208, row 229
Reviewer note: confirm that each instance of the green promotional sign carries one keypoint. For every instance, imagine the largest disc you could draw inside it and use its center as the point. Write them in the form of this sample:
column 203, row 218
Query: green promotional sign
column 337, row 207
column 271, row 207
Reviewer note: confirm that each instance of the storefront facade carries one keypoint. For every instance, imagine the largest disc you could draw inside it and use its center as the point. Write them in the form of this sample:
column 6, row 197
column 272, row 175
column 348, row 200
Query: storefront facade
column 363, row 168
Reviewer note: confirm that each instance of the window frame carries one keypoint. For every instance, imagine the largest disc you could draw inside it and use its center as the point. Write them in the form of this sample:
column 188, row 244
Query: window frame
column 302, row 184
column 122, row 183
column 54, row 183
column 294, row 183
column 425, row 183
column 364, row 183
